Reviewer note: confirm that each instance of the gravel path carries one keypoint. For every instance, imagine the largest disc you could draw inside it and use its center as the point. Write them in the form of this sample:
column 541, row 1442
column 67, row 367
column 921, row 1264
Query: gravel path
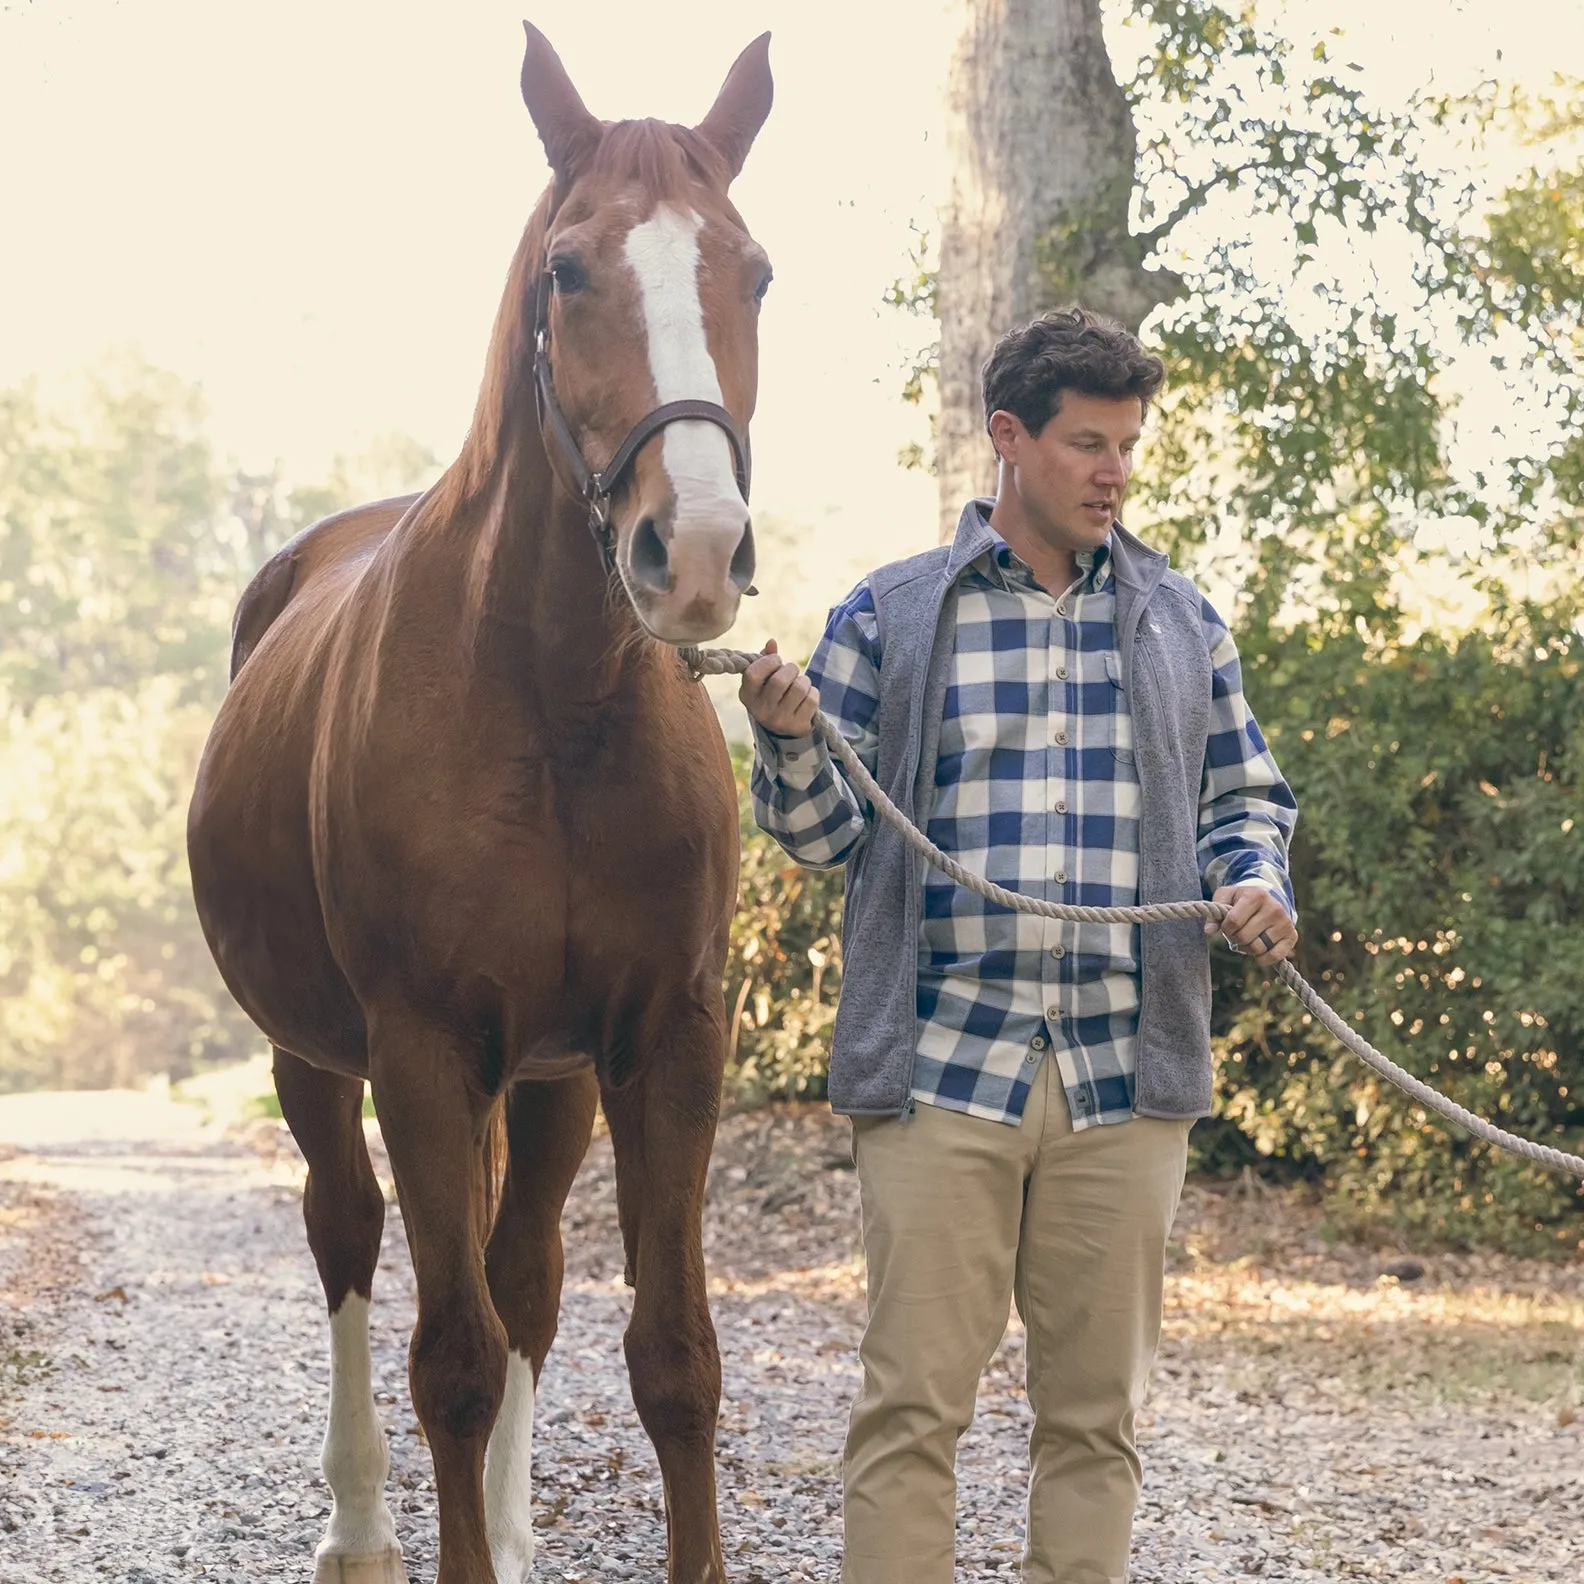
column 163, row 1374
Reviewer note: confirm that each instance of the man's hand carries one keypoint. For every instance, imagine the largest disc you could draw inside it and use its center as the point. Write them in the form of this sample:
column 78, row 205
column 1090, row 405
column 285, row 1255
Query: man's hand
column 779, row 695
column 1257, row 924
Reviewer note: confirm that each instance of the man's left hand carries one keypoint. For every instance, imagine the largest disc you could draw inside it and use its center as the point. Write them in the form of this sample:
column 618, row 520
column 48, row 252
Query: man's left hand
column 1257, row 924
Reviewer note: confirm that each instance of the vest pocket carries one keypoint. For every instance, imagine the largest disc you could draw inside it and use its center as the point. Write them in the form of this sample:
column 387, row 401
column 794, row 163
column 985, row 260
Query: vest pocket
column 1121, row 722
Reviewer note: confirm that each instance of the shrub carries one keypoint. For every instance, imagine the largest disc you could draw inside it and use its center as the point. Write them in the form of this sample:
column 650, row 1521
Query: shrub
column 783, row 974
column 1440, row 876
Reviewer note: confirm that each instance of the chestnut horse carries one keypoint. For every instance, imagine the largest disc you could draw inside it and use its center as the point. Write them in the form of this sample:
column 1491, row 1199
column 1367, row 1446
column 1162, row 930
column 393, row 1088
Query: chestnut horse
column 466, row 828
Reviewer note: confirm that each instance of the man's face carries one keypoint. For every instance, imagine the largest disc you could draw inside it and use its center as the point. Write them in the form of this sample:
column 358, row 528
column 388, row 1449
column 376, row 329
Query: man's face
column 1071, row 476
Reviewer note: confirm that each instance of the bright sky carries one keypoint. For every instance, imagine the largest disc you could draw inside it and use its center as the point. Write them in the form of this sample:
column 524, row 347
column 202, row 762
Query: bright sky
column 309, row 207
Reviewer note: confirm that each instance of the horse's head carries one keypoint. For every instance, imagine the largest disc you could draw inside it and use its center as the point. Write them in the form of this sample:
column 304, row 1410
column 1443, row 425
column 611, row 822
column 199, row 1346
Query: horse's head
column 647, row 293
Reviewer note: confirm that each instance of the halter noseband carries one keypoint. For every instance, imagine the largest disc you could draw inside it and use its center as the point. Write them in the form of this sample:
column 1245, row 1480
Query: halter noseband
column 595, row 489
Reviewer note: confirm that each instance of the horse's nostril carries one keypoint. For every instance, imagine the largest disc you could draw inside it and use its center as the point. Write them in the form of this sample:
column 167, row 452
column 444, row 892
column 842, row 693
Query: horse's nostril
column 742, row 561
column 648, row 559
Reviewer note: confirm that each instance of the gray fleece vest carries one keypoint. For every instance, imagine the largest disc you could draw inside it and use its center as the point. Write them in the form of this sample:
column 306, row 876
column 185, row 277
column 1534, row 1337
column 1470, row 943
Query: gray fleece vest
column 1166, row 678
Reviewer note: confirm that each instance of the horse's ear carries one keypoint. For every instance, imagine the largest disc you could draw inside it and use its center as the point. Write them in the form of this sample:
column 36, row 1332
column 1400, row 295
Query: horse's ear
column 566, row 128
column 741, row 106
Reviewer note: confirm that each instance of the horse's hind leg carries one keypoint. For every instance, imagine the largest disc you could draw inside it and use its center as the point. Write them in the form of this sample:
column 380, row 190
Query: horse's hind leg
column 547, row 1133
column 345, row 1214
column 663, row 1126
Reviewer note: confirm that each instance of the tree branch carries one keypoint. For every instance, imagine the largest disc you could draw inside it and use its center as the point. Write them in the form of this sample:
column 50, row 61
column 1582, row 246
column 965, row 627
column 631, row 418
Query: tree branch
column 1196, row 195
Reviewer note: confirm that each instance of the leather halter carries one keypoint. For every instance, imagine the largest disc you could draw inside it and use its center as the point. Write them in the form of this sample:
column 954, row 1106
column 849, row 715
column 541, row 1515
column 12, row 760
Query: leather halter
column 593, row 488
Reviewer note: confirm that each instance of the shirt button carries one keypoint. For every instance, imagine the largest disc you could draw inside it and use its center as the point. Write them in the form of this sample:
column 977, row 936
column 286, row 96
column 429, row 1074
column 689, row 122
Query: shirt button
column 1061, row 673
column 1060, row 739
column 1058, row 952
column 1061, row 609
column 1038, row 1042
column 1061, row 805
column 1061, row 877
column 1081, row 1099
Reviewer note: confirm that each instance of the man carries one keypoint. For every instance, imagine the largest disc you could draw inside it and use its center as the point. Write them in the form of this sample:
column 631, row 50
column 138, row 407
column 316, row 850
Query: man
column 1065, row 716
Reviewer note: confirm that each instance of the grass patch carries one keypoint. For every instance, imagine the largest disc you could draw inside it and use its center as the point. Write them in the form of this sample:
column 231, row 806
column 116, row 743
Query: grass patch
column 19, row 1369
column 1258, row 1280
column 1434, row 1344
column 1540, row 1362
column 268, row 1105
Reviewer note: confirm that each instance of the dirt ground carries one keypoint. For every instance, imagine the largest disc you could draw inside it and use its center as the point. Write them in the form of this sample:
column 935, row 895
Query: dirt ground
column 1319, row 1411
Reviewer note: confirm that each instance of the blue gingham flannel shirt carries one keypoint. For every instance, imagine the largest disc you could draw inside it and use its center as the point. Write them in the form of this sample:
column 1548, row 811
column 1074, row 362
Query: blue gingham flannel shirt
column 1036, row 789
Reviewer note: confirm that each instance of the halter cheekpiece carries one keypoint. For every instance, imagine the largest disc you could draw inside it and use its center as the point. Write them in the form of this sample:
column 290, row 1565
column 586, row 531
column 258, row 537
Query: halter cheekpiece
column 596, row 489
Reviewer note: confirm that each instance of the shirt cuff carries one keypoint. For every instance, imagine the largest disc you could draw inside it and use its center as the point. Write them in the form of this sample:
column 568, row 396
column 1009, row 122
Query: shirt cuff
column 792, row 761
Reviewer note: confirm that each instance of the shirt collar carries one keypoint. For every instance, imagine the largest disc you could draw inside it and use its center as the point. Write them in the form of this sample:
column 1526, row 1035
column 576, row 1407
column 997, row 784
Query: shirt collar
column 1002, row 565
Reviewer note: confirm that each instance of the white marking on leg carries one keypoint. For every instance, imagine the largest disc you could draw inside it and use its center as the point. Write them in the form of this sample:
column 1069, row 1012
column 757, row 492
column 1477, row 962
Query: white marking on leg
column 508, row 1476
column 355, row 1458
column 663, row 252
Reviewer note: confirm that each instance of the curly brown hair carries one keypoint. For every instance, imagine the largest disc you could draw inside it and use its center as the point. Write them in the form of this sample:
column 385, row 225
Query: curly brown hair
column 1069, row 349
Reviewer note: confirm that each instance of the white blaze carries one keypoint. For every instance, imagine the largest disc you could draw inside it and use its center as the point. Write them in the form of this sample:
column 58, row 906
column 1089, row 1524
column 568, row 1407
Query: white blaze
column 663, row 252
column 355, row 1459
column 508, row 1476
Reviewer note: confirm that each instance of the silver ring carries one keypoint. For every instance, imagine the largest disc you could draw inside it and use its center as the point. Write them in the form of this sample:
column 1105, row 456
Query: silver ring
column 1266, row 941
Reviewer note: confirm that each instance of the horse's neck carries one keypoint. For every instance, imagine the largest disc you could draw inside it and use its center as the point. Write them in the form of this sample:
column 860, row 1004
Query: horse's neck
column 543, row 616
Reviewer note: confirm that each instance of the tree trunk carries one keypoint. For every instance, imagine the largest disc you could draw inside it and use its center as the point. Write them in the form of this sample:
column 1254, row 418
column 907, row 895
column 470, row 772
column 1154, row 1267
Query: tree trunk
column 1040, row 147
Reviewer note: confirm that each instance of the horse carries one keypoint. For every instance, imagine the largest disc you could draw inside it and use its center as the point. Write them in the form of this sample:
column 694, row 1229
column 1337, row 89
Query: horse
column 466, row 828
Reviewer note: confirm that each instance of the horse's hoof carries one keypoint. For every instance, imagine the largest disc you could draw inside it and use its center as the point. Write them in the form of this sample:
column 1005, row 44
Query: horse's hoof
column 376, row 1567
column 513, row 1561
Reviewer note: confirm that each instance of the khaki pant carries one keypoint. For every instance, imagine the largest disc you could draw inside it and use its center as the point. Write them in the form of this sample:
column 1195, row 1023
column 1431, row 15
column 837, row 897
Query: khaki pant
column 959, row 1216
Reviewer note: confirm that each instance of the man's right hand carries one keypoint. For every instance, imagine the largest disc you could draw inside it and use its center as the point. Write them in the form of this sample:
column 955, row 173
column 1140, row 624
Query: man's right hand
column 779, row 695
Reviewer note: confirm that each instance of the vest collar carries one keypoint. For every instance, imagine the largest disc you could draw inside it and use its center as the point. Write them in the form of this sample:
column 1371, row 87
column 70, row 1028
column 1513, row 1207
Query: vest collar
column 973, row 537
column 1133, row 563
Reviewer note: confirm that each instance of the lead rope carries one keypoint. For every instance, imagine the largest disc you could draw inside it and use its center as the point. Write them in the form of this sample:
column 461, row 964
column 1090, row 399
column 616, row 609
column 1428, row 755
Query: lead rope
column 732, row 662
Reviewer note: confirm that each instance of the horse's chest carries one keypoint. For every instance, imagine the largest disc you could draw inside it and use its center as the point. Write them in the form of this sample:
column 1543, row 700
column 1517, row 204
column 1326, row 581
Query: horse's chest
column 639, row 845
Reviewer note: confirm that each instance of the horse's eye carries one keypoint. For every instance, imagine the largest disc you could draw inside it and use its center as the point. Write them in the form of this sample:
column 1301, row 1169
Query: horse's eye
column 763, row 286
column 568, row 274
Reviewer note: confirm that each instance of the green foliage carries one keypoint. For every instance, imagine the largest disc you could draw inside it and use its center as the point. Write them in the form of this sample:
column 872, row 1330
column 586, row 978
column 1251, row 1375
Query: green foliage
column 783, row 973
column 1440, row 876
column 104, row 975
column 123, row 547
column 914, row 294
column 1340, row 256
column 111, row 568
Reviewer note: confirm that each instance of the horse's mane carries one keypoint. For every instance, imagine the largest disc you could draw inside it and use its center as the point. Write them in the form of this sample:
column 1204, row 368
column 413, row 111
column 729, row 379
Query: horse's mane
column 654, row 156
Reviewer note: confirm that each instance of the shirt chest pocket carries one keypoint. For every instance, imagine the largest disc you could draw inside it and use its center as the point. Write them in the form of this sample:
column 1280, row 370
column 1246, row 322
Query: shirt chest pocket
column 1118, row 732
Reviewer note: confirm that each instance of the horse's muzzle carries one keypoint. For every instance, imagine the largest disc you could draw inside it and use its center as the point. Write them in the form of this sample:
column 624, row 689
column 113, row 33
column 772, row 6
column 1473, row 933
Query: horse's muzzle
column 686, row 580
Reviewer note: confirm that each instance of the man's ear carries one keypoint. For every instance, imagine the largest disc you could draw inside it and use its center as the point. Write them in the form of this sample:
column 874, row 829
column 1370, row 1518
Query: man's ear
column 566, row 128
column 1005, row 431
column 741, row 106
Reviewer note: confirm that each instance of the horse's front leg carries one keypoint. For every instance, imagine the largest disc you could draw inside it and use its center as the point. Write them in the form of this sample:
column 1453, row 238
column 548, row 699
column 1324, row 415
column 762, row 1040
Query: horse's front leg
column 434, row 1117
column 662, row 1125
column 345, row 1214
